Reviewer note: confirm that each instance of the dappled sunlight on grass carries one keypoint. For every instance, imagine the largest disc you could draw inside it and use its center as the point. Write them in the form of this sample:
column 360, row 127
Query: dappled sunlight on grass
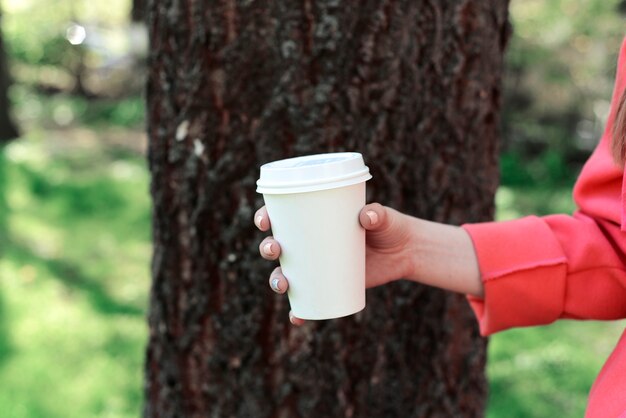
column 74, row 282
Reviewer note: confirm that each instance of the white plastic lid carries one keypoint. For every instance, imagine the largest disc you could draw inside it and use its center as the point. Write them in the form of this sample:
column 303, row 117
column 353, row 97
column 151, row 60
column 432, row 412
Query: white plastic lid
column 312, row 173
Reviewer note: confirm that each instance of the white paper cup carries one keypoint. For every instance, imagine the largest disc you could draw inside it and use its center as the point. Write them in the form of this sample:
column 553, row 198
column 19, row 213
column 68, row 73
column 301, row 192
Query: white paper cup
column 313, row 203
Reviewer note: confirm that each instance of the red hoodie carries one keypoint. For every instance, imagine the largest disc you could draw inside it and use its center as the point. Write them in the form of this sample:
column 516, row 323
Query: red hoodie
column 536, row 270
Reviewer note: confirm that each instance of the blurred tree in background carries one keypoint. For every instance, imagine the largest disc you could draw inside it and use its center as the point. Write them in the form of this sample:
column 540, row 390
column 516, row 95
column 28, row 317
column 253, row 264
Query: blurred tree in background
column 558, row 83
column 138, row 11
column 8, row 130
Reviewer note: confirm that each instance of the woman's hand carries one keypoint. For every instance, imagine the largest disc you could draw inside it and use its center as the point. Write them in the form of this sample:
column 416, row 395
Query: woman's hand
column 388, row 248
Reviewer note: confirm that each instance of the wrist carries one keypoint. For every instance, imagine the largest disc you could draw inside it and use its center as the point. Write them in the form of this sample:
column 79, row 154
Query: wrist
column 414, row 249
column 443, row 256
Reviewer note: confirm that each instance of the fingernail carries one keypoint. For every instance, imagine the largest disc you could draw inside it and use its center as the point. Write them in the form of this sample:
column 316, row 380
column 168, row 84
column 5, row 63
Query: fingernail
column 267, row 249
column 373, row 216
column 295, row 321
column 258, row 221
column 275, row 284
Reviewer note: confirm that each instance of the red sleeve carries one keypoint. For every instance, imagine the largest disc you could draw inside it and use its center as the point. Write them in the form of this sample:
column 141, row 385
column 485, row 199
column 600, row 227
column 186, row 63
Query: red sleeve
column 536, row 270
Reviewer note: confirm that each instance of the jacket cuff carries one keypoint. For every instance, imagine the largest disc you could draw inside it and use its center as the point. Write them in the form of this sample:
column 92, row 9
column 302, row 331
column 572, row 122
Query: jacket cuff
column 523, row 269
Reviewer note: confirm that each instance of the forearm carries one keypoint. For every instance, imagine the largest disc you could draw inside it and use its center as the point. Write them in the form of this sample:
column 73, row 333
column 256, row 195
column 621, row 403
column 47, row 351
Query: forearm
column 443, row 256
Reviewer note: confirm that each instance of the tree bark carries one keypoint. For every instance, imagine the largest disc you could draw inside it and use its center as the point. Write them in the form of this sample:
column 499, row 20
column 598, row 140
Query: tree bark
column 415, row 86
column 8, row 130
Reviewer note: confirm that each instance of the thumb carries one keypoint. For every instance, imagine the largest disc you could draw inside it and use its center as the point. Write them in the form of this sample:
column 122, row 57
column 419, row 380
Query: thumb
column 373, row 216
column 386, row 227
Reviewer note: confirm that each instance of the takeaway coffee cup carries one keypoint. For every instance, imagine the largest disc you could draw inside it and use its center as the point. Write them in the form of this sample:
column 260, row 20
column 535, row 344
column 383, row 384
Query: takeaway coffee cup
column 313, row 203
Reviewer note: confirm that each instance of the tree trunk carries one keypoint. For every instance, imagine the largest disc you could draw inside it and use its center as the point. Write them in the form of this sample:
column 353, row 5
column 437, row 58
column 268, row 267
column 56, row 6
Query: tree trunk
column 8, row 130
column 415, row 86
column 138, row 11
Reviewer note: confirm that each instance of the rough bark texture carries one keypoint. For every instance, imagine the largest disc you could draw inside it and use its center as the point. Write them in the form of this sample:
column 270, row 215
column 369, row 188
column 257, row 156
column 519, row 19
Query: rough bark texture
column 415, row 87
column 8, row 130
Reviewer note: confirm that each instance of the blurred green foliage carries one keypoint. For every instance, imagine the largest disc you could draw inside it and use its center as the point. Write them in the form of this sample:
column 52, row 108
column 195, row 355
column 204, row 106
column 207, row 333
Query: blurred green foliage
column 547, row 170
column 58, row 84
column 560, row 70
column 62, row 110
column 36, row 29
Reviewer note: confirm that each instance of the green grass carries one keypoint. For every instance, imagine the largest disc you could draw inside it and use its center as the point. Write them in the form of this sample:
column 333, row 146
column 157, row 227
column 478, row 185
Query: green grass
column 74, row 280
column 547, row 371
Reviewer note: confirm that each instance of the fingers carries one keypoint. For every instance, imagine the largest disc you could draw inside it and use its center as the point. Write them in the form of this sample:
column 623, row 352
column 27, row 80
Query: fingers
column 295, row 321
column 373, row 216
column 278, row 282
column 269, row 249
column 262, row 220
